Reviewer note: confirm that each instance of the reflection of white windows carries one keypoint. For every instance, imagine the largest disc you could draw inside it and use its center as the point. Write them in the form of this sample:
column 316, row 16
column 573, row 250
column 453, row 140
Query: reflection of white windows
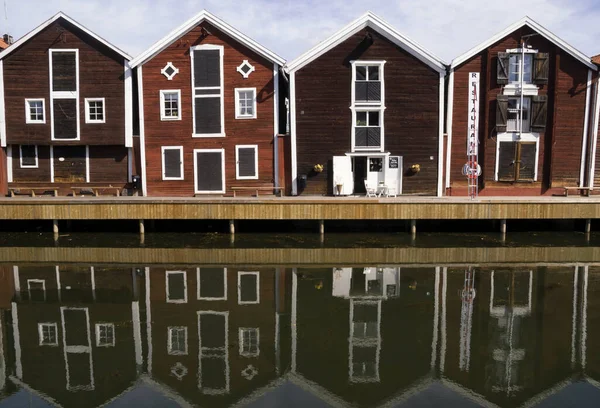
column 249, row 338
column 94, row 110
column 37, row 290
column 245, row 103
column 248, row 288
column 105, row 335
column 178, row 341
column 176, row 286
column 170, row 104
column 28, row 156
column 212, row 283
column 35, row 111
column 514, row 68
column 365, row 341
column 514, row 123
column 48, row 334
column 213, row 354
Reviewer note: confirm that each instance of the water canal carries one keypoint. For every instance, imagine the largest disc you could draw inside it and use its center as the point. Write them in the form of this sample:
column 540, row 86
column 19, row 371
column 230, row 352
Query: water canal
column 360, row 320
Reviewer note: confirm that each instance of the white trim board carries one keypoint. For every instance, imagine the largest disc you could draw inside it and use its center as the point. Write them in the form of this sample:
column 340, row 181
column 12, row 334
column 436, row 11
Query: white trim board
column 199, row 18
column 68, row 19
column 2, row 111
column 379, row 25
column 525, row 21
column 128, row 83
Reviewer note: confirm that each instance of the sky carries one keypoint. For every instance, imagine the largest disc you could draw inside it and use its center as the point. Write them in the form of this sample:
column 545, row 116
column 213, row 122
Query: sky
column 447, row 28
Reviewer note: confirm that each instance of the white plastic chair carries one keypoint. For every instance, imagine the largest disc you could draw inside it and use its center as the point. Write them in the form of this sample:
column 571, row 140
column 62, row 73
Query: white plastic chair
column 371, row 191
column 391, row 192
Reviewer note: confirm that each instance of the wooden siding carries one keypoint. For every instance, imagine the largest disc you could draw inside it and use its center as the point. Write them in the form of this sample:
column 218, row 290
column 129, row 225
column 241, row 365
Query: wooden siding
column 3, row 172
column 559, row 155
column 411, row 119
column 108, row 164
column 259, row 131
column 101, row 75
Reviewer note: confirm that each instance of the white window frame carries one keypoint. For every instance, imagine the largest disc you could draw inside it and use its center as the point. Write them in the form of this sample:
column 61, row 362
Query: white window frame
column 169, row 300
column 196, row 191
column 241, row 341
column 35, row 166
column 162, row 154
column 245, row 74
column 514, row 137
column 239, row 287
column 237, row 162
column 170, row 350
column 224, row 297
column 42, row 281
column 98, row 338
column 164, row 71
column 64, row 94
column 163, row 117
column 221, row 88
column 366, row 63
column 28, row 119
column 88, row 119
column 41, row 334
column 239, row 115
column 382, row 133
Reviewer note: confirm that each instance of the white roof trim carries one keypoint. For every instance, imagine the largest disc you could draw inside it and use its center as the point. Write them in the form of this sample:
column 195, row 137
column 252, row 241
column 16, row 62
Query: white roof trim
column 368, row 20
column 193, row 22
column 52, row 19
column 526, row 21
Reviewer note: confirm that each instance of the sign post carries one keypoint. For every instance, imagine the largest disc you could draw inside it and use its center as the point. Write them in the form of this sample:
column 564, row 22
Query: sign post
column 472, row 169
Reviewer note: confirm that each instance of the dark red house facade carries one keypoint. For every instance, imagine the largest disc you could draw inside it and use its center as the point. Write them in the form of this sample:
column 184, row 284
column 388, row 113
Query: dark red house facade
column 527, row 97
column 208, row 110
column 366, row 109
column 65, row 102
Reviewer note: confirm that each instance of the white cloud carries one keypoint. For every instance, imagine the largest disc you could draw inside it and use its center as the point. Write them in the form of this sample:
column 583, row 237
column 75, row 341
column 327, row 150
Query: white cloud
column 289, row 27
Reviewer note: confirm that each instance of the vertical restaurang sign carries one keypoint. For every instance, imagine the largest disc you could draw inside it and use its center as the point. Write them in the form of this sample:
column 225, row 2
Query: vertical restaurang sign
column 473, row 123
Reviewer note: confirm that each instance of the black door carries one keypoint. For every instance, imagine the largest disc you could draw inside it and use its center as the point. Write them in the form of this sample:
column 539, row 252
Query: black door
column 360, row 174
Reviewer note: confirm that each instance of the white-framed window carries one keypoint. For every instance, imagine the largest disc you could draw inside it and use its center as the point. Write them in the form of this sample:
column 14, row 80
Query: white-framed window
column 28, row 156
column 176, row 286
column 172, row 162
column 64, row 94
column 36, row 289
column 245, row 103
column 367, row 82
column 517, row 157
column 245, row 68
column 367, row 132
column 48, row 334
column 209, row 171
column 513, row 115
column 169, row 71
column 514, row 68
column 207, row 83
column 246, row 162
column 367, row 105
column 35, row 111
column 105, row 335
column 177, row 341
column 170, row 104
column 95, row 110
column 249, row 339
column 212, row 283
column 248, row 288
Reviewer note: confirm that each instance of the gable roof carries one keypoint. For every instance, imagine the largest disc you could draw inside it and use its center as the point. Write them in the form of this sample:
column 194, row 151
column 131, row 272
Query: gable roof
column 51, row 20
column 544, row 32
column 3, row 44
column 215, row 21
column 379, row 25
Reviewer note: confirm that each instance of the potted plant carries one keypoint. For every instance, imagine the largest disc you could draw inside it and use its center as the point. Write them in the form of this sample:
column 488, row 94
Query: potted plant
column 318, row 168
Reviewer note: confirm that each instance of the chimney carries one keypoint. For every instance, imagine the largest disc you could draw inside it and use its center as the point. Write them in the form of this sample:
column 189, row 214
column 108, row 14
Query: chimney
column 8, row 39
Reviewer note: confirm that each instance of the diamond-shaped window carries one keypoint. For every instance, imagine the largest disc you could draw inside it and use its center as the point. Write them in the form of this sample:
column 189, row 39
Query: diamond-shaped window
column 169, row 71
column 245, row 69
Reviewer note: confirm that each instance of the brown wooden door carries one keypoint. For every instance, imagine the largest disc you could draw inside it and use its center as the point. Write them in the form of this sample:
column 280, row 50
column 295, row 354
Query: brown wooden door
column 517, row 161
column 69, row 164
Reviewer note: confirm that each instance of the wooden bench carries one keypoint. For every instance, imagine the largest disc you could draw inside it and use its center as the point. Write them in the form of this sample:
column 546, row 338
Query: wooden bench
column 586, row 190
column 257, row 189
column 31, row 190
column 95, row 190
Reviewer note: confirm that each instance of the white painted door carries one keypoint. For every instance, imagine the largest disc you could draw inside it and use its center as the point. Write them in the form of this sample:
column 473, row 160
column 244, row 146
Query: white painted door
column 342, row 174
column 393, row 172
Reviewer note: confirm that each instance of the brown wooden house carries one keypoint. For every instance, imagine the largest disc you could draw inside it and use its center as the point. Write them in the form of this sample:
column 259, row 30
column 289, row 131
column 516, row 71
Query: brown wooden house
column 366, row 108
column 65, row 97
column 525, row 97
column 208, row 110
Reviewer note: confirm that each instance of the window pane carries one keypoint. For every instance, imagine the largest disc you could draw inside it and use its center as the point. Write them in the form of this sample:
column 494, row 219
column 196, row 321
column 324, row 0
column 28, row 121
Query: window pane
column 513, row 68
column 207, row 68
column 64, row 71
column 171, row 105
column 361, row 118
column 374, row 73
column 373, row 118
column 176, row 290
column 248, row 291
column 361, row 73
column 527, row 70
column 36, row 110
column 172, row 163
column 28, row 155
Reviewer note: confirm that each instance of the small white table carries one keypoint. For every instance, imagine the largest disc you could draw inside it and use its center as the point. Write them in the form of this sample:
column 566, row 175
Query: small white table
column 382, row 190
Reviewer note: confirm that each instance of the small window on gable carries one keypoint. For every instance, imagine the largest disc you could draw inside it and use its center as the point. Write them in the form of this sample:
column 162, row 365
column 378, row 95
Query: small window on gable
column 172, row 161
column 29, row 156
column 35, row 111
column 245, row 69
column 177, row 341
column 515, row 67
column 170, row 105
column 105, row 335
column 94, row 110
column 48, row 334
column 368, row 83
column 246, row 159
column 245, row 103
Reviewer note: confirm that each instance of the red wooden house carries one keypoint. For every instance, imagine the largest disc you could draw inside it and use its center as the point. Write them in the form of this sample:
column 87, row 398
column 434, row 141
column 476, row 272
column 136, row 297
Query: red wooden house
column 208, row 110
column 366, row 108
column 526, row 96
column 64, row 97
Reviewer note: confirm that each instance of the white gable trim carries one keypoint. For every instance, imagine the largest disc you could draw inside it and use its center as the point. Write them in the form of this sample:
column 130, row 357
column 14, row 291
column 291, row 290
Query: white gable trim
column 368, row 20
column 52, row 19
column 193, row 22
column 526, row 21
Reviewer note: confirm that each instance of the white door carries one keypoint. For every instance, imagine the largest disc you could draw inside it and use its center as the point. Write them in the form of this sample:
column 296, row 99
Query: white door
column 342, row 174
column 393, row 172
